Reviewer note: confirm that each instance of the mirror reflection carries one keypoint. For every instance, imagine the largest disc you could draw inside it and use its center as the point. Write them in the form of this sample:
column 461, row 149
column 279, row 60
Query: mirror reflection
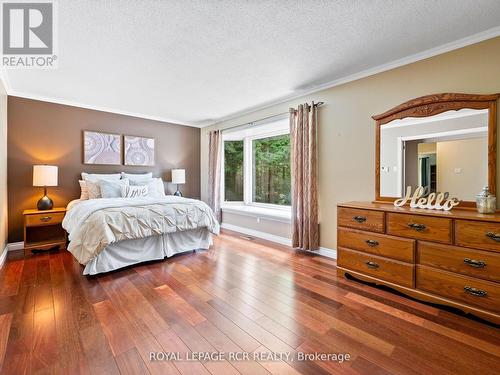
column 445, row 152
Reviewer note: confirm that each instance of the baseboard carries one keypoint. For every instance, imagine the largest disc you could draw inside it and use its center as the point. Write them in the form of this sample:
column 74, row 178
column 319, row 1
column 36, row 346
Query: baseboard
column 255, row 233
column 15, row 246
column 323, row 251
column 326, row 252
column 3, row 256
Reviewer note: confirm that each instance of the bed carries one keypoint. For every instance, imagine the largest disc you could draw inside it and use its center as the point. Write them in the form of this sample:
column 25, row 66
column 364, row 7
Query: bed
column 110, row 233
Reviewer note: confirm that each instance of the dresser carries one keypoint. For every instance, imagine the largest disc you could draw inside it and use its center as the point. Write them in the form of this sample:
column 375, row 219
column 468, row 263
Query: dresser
column 450, row 258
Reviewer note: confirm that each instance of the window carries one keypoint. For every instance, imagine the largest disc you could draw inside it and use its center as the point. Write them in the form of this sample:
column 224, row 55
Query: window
column 256, row 165
column 271, row 170
column 233, row 170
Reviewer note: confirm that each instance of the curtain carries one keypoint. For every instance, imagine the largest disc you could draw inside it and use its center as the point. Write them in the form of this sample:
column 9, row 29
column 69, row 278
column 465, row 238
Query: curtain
column 303, row 133
column 214, row 171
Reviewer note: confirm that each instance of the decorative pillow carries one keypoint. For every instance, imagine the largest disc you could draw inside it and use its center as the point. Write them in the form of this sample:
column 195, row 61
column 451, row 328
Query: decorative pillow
column 112, row 189
column 97, row 176
column 141, row 177
column 93, row 189
column 156, row 188
column 135, row 191
column 155, row 185
column 84, row 194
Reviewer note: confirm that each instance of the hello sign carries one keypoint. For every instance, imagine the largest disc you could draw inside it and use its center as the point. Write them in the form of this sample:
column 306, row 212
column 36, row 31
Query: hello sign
column 433, row 201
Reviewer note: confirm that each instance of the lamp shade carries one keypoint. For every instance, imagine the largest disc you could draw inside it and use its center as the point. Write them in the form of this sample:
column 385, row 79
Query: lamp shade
column 178, row 176
column 44, row 175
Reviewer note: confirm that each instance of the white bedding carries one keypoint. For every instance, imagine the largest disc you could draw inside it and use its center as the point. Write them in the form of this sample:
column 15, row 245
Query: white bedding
column 96, row 226
column 130, row 252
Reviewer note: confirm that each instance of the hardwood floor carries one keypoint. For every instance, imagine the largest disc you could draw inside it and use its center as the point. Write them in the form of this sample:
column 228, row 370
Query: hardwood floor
column 240, row 296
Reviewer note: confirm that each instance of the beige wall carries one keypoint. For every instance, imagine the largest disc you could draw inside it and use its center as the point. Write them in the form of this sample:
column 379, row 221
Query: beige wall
column 427, row 148
column 3, row 168
column 471, row 156
column 346, row 130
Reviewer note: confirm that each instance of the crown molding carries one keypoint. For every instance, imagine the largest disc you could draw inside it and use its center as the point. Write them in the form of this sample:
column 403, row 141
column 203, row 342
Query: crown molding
column 476, row 38
column 98, row 108
column 5, row 81
column 457, row 44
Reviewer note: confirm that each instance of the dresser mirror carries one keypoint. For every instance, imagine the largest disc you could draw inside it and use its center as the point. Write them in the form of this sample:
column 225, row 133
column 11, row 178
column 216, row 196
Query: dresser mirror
column 443, row 142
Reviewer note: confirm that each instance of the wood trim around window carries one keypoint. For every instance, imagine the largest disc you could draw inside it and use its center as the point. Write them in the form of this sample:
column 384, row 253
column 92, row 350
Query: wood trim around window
column 430, row 105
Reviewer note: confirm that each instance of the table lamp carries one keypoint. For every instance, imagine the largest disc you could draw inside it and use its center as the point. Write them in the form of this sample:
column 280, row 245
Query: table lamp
column 45, row 175
column 178, row 177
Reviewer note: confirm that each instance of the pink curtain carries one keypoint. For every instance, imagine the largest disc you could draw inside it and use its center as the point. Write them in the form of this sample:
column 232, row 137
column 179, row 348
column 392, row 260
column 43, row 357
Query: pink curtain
column 303, row 133
column 214, row 171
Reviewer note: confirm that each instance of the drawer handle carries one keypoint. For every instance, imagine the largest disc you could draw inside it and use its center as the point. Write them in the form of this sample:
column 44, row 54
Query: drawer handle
column 417, row 227
column 475, row 263
column 493, row 236
column 359, row 219
column 475, row 292
column 46, row 218
column 372, row 265
column 372, row 243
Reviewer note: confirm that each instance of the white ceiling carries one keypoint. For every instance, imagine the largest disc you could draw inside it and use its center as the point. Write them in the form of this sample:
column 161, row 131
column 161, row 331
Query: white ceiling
column 197, row 62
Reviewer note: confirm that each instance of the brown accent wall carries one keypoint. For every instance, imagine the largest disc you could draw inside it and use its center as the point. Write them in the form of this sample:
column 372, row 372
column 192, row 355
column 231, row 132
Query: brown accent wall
column 46, row 133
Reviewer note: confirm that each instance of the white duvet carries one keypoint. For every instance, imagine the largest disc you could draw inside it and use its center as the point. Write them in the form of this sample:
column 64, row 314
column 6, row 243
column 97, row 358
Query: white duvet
column 96, row 223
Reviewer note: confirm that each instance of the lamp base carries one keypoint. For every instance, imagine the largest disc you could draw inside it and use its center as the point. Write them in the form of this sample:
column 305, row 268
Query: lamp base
column 45, row 203
column 178, row 193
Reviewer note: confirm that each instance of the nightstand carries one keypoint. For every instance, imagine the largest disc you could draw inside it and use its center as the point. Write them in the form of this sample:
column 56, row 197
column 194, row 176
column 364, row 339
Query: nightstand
column 43, row 229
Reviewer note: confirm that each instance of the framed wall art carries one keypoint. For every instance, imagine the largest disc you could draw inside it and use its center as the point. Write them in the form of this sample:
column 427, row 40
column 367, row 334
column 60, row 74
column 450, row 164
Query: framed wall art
column 139, row 151
column 102, row 148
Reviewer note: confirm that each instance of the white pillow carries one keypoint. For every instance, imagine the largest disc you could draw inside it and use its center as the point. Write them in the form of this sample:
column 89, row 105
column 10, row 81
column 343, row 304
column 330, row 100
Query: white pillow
column 155, row 185
column 93, row 189
column 156, row 188
column 84, row 193
column 112, row 189
column 141, row 177
column 134, row 191
column 97, row 176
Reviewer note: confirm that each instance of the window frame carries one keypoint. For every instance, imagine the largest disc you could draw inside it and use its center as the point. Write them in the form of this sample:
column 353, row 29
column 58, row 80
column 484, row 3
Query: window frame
column 248, row 168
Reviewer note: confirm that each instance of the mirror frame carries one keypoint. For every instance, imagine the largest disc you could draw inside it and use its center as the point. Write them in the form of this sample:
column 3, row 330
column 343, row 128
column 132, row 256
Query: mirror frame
column 431, row 105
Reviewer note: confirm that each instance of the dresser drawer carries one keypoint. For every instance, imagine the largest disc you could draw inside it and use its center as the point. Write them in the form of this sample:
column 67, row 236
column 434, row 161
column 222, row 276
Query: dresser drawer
column 379, row 244
column 382, row 268
column 420, row 227
column 361, row 219
column 472, row 291
column 478, row 234
column 476, row 263
column 44, row 219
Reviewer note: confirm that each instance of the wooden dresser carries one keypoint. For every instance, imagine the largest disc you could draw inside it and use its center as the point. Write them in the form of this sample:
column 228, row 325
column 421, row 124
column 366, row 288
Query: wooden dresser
column 450, row 258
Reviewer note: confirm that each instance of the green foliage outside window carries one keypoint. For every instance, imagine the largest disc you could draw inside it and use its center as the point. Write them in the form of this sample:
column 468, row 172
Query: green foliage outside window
column 271, row 170
column 233, row 170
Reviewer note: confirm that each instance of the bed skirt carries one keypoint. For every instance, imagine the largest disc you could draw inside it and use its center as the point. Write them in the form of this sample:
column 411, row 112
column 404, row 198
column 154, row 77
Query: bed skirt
column 129, row 252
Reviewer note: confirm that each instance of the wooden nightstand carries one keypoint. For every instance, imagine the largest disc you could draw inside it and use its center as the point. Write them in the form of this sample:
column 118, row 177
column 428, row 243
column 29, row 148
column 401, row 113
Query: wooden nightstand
column 43, row 229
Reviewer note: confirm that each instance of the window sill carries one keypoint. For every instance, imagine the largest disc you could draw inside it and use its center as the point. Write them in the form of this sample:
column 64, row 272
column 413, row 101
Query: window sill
column 282, row 215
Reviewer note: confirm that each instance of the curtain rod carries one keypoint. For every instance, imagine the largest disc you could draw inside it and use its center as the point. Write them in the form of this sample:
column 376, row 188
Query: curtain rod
column 318, row 104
